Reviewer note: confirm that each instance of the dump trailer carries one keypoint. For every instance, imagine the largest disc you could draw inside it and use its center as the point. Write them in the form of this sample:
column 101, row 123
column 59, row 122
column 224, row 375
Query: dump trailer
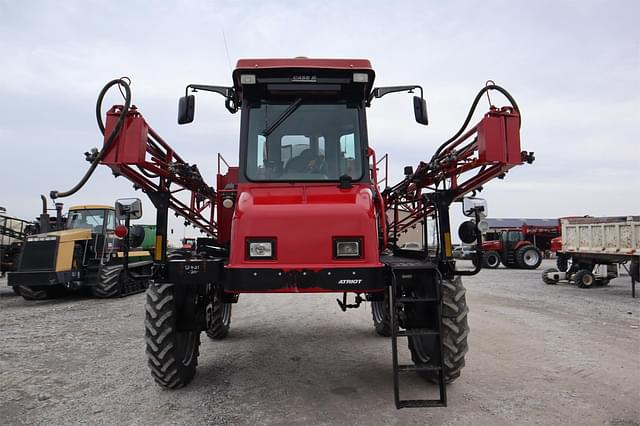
column 86, row 253
column 591, row 248
column 304, row 212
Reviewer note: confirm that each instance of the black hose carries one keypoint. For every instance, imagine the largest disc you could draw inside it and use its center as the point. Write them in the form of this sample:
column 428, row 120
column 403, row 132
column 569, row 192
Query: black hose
column 473, row 109
column 114, row 133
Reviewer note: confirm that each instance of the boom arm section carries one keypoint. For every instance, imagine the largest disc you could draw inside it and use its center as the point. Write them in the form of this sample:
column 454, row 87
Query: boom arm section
column 486, row 151
column 139, row 154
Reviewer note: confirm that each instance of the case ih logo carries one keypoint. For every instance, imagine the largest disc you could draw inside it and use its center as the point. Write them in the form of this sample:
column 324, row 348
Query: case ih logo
column 191, row 269
column 304, row 78
column 350, row 281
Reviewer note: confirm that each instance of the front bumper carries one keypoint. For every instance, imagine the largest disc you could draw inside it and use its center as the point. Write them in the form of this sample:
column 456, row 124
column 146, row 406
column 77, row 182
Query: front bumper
column 46, row 278
column 359, row 280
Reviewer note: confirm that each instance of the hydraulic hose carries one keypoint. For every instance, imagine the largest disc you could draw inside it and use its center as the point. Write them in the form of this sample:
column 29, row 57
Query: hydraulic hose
column 473, row 109
column 114, row 133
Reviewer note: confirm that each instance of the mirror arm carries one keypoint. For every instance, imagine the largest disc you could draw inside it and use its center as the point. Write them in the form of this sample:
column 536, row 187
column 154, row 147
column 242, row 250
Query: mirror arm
column 379, row 92
column 231, row 103
column 222, row 90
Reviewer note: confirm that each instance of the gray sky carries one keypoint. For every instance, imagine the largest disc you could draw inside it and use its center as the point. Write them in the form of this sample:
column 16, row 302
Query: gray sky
column 573, row 66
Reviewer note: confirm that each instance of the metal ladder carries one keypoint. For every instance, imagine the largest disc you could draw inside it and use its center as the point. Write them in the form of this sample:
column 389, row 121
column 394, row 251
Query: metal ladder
column 394, row 305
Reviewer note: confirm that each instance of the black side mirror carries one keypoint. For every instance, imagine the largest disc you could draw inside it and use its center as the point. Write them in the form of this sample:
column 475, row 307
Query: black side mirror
column 186, row 109
column 420, row 110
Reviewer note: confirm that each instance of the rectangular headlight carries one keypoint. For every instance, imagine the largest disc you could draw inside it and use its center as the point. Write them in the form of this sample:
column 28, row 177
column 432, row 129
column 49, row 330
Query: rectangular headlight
column 360, row 77
column 261, row 249
column 347, row 248
column 247, row 79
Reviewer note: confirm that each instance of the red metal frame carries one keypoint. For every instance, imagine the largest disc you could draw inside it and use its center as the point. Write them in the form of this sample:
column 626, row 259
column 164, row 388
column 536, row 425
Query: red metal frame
column 489, row 149
column 143, row 157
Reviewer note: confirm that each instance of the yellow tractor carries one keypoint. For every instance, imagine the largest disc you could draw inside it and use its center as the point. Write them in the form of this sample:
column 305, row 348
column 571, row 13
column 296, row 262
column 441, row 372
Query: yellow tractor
column 93, row 250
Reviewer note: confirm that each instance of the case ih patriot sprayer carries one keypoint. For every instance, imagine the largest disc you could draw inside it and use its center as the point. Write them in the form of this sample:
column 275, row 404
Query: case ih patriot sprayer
column 303, row 212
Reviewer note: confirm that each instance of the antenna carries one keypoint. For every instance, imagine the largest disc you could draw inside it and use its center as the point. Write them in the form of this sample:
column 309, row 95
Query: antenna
column 226, row 49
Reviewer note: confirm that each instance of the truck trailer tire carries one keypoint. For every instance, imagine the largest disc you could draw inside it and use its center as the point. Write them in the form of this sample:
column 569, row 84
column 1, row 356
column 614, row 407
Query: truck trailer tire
column 381, row 315
column 490, row 259
column 218, row 318
column 172, row 354
column 108, row 284
column 584, row 278
column 455, row 330
column 528, row 257
column 562, row 262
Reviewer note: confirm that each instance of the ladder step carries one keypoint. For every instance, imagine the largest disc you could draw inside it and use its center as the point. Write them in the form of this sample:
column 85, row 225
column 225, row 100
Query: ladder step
column 418, row 332
column 415, row 299
column 418, row 368
column 416, row 403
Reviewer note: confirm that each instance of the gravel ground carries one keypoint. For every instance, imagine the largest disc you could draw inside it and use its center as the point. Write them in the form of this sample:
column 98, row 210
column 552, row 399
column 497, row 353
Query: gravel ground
column 538, row 355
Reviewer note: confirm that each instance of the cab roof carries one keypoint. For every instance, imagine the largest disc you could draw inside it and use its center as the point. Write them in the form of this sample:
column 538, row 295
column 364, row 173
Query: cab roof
column 302, row 62
column 306, row 70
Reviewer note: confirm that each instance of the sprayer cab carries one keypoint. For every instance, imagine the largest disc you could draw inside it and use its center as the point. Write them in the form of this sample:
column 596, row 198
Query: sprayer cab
column 304, row 215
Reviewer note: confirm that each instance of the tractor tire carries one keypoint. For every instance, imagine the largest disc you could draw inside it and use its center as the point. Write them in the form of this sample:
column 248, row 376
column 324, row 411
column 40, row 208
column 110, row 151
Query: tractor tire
column 562, row 262
column 109, row 283
column 528, row 257
column 455, row 330
column 381, row 315
column 490, row 260
column 547, row 280
column 39, row 292
column 172, row 354
column 218, row 318
column 584, row 278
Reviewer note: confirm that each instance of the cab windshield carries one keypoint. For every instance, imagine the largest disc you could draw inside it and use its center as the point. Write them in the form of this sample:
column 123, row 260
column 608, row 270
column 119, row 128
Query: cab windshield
column 92, row 219
column 303, row 142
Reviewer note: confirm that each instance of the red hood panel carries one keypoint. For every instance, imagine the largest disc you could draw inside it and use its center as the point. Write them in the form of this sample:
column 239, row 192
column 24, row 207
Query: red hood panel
column 304, row 219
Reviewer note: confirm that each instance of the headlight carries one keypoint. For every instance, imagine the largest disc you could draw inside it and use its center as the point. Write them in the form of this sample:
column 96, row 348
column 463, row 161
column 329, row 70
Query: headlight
column 347, row 248
column 261, row 249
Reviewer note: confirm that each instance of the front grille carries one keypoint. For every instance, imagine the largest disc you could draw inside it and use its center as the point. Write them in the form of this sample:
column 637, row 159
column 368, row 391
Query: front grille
column 38, row 255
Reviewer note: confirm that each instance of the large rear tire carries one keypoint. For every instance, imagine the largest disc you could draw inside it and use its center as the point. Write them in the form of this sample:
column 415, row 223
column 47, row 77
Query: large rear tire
column 172, row 354
column 528, row 257
column 109, row 283
column 455, row 330
column 381, row 315
column 218, row 318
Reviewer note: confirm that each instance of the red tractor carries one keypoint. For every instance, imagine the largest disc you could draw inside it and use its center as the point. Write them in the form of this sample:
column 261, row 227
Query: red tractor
column 519, row 248
column 303, row 213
